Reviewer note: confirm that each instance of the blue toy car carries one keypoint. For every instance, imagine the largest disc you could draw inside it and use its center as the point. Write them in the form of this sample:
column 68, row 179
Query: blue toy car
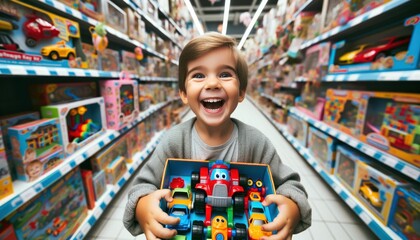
column 182, row 212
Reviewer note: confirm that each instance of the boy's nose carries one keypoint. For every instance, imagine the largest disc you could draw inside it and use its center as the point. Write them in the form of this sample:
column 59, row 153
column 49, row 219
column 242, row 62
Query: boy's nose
column 212, row 82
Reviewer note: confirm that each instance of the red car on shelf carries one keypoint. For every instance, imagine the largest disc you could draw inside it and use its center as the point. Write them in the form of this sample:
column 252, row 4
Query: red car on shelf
column 36, row 29
column 386, row 47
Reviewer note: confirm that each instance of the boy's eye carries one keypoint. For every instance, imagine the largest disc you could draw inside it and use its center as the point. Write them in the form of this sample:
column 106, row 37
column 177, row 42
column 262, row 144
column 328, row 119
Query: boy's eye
column 225, row 75
column 198, row 75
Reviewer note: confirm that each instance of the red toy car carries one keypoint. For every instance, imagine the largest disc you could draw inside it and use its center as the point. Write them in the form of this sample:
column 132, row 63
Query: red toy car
column 386, row 47
column 36, row 29
column 220, row 187
column 7, row 43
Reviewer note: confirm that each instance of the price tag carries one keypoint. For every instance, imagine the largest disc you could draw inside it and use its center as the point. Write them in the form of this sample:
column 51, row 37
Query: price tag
column 390, row 161
column 65, row 169
column 365, row 218
column 28, row 194
column 368, row 151
column 351, row 203
column 97, row 213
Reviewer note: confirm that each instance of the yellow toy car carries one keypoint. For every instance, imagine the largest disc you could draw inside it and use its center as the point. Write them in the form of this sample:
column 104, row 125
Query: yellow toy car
column 181, row 196
column 58, row 50
column 348, row 57
column 370, row 192
column 255, row 221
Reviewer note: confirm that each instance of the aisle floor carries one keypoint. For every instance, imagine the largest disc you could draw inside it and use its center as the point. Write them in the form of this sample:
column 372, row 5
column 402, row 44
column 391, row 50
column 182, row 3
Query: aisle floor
column 331, row 217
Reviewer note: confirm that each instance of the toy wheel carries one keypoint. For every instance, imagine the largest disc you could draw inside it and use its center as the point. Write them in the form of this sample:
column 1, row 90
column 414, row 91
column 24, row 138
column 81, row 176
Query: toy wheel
column 197, row 230
column 54, row 55
column 200, row 201
column 71, row 56
column 30, row 42
column 241, row 232
column 243, row 181
column 195, row 178
column 239, row 203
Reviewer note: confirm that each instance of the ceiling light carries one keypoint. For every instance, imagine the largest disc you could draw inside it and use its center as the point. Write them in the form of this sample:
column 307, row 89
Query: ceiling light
column 251, row 25
column 226, row 17
column 194, row 17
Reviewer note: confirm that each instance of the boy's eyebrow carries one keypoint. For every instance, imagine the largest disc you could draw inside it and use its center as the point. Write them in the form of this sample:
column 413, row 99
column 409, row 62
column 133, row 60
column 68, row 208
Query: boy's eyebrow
column 201, row 67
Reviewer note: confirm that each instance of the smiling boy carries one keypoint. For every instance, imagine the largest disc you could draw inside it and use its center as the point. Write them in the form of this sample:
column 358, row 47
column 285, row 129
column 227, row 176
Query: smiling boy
column 212, row 80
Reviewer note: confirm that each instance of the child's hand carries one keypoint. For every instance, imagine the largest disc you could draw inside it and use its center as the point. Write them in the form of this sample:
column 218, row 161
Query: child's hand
column 151, row 217
column 284, row 223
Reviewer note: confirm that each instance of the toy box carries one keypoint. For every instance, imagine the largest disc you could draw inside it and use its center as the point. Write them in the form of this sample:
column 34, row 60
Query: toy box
column 104, row 157
column 133, row 23
column 242, row 188
column 37, row 147
column 315, row 65
column 346, row 161
column 99, row 183
column 91, row 56
column 93, row 8
column 55, row 213
column 342, row 109
column 375, row 188
column 9, row 121
column 129, row 62
column 55, row 93
column 81, row 122
column 394, row 48
column 6, row 231
column 133, row 143
column 6, row 186
column 116, row 17
column 310, row 102
column 404, row 215
column 37, row 37
column 115, row 170
column 121, row 102
column 87, row 176
column 323, row 148
column 297, row 128
column 109, row 60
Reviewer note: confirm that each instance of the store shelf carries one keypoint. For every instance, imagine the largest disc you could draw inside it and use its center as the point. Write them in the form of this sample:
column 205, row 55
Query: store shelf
column 413, row 75
column 362, row 212
column 178, row 29
column 383, row 157
column 358, row 21
column 157, row 79
column 307, row 6
column 24, row 191
column 112, row 190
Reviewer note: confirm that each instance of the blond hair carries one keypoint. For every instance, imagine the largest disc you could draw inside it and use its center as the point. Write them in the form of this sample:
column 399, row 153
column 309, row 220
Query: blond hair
column 204, row 44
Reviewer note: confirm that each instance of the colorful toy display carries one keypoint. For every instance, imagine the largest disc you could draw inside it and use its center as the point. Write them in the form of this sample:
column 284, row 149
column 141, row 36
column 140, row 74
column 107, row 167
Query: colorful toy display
column 405, row 215
column 116, row 17
column 92, row 8
column 323, row 148
column 310, row 101
column 238, row 215
column 80, row 121
column 99, row 183
column 316, row 61
column 55, row 213
column 121, row 101
column 39, row 37
column 6, row 186
column 115, row 170
column 7, row 231
column 36, row 147
column 298, row 128
column 379, row 51
column 103, row 158
column 129, row 62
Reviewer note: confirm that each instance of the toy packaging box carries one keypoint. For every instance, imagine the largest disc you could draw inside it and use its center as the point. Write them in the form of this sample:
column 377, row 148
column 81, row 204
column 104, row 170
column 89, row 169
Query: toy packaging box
column 133, row 23
column 346, row 162
column 323, row 148
column 91, row 8
column 7, row 231
column 6, row 186
column 37, row 147
column 393, row 49
column 233, row 210
column 115, row 170
column 89, row 188
column 9, row 121
column 116, row 17
column 56, row 93
column 315, row 64
column 298, row 128
column 375, row 188
column 129, row 62
column 109, row 60
column 133, row 143
column 310, row 101
column 121, row 102
column 99, row 184
column 404, row 216
column 37, row 37
column 103, row 158
column 91, row 56
column 81, row 121
column 56, row 213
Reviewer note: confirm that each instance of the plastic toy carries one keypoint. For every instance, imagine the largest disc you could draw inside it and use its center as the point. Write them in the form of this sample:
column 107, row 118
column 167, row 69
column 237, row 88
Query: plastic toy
column 7, row 43
column 177, row 182
column 405, row 216
column 218, row 230
column 79, row 128
column 182, row 212
column 6, row 186
column 36, row 29
column 255, row 221
column 181, row 196
column 256, row 190
column 348, row 57
column 382, row 49
column 58, row 50
column 99, row 39
column 218, row 186
column 370, row 192
column 57, row 227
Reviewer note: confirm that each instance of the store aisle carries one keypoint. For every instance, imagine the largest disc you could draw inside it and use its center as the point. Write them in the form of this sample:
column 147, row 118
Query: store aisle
column 331, row 218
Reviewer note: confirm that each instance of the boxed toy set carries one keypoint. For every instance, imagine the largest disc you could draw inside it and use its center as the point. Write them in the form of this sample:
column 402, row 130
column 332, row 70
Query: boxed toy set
column 395, row 48
column 404, row 217
column 37, row 147
column 323, row 148
column 109, row 60
column 37, row 37
column 233, row 209
column 81, row 121
column 315, row 64
column 99, row 184
column 56, row 213
column 121, row 101
column 298, row 128
column 92, row 8
column 116, row 17
column 6, row 186
column 310, row 101
column 115, row 170
column 129, row 62
column 103, row 158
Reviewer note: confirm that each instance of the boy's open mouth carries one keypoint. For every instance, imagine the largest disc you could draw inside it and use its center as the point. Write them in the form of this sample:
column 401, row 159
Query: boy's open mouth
column 213, row 103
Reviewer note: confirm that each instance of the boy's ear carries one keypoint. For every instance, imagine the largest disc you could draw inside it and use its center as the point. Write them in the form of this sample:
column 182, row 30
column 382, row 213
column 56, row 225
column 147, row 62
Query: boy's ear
column 241, row 95
column 183, row 96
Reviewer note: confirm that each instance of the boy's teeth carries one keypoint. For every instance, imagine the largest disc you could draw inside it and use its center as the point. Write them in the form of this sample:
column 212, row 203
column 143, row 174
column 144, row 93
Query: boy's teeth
column 212, row 103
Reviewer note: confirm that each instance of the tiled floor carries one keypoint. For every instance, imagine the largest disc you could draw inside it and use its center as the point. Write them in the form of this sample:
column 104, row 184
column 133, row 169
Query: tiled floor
column 331, row 218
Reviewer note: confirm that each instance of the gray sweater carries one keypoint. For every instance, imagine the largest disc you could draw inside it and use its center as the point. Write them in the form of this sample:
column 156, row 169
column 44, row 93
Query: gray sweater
column 254, row 147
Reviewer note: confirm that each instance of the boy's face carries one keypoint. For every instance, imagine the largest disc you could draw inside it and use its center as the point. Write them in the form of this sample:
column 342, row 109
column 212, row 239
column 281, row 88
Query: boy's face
column 212, row 87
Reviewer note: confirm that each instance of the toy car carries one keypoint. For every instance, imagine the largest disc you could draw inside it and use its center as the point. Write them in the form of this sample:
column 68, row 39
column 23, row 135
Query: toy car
column 7, row 43
column 181, row 196
column 221, row 187
column 348, row 57
column 58, row 50
column 218, row 230
column 255, row 221
column 182, row 212
column 386, row 47
column 36, row 29
column 255, row 207
column 58, row 226
column 371, row 193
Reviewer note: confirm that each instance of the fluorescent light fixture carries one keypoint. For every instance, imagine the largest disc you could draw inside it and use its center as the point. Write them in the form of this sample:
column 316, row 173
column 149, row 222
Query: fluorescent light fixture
column 194, row 17
column 251, row 25
column 226, row 16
